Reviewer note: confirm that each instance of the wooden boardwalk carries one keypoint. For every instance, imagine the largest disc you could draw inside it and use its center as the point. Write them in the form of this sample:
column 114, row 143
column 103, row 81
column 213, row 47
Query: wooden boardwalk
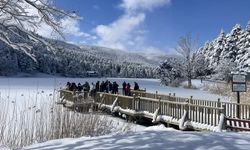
column 186, row 113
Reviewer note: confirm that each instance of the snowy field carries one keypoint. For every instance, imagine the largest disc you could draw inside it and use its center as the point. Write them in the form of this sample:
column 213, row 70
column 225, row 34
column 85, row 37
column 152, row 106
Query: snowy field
column 156, row 137
column 26, row 87
column 27, row 97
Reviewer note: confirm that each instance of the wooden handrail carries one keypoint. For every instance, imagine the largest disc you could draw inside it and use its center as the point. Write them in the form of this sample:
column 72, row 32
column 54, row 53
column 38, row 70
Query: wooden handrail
column 117, row 95
column 209, row 107
column 67, row 91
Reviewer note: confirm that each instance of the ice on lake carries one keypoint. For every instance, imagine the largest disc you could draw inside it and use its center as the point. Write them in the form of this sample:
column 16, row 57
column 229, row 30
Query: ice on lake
column 19, row 87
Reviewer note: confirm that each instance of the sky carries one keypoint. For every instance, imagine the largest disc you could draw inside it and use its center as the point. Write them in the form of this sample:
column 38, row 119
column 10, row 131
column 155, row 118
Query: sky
column 151, row 26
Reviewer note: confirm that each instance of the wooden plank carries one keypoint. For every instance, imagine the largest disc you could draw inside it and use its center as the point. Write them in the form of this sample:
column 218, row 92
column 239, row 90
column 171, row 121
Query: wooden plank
column 196, row 114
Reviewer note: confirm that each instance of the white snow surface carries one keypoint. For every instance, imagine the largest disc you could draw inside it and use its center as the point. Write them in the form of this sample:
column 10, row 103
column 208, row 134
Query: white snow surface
column 19, row 86
column 155, row 137
column 26, row 92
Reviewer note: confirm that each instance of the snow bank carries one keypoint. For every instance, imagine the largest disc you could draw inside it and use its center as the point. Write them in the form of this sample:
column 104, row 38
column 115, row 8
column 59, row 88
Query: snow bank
column 156, row 137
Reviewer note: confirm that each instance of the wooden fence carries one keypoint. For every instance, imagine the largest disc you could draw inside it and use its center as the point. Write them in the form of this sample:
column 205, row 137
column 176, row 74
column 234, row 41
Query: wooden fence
column 231, row 108
column 197, row 111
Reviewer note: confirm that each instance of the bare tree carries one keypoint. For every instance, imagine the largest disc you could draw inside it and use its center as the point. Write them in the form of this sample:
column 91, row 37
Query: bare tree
column 22, row 14
column 185, row 47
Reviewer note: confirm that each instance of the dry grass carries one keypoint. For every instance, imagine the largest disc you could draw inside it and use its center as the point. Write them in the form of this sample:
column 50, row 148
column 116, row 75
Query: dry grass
column 41, row 122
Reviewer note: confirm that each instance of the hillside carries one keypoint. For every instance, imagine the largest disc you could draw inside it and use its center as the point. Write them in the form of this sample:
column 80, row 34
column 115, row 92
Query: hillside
column 120, row 56
column 231, row 49
column 27, row 52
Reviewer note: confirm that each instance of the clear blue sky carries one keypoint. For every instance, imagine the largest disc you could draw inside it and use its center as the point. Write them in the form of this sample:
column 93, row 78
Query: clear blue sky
column 153, row 24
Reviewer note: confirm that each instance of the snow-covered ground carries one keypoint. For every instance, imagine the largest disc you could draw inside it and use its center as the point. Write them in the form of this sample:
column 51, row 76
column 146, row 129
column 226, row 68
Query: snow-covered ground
column 31, row 94
column 10, row 87
column 156, row 137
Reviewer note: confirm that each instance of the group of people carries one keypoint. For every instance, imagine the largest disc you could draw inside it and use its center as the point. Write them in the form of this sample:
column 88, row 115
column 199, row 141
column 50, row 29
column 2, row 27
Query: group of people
column 126, row 88
column 107, row 86
column 80, row 87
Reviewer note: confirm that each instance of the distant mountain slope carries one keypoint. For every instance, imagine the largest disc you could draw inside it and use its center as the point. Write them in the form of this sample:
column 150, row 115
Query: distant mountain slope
column 232, row 48
column 27, row 52
column 120, row 56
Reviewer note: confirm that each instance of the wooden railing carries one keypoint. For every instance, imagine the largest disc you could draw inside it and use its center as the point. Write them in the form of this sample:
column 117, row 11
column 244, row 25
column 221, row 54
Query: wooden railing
column 108, row 99
column 66, row 94
column 198, row 111
column 73, row 95
column 231, row 108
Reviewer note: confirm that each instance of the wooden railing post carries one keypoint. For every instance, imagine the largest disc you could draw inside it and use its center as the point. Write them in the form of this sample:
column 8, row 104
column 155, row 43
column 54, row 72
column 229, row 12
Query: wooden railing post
column 169, row 96
column 191, row 100
column 224, row 112
column 191, row 110
column 187, row 109
column 174, row 98
column 159, row 105
column 156, row 94
column 218, row 103
column 139, row 105
column 133, row 102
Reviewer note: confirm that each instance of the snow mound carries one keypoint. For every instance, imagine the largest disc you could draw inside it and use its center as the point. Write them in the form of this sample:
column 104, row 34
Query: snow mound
column 156, row 137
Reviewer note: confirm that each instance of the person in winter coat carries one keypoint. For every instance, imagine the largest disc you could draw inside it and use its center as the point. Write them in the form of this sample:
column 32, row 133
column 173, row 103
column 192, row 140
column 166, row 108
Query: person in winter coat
column 123, row 88
column 127, row 89
column 68, row 85
column 136, row 86
column 115, row 88
column 97, row 86
column 102, row 87
column 79, row 87
column 92, row 89
column 110, row 87
column 73, row 87
column 87, row 87
column 106, row 86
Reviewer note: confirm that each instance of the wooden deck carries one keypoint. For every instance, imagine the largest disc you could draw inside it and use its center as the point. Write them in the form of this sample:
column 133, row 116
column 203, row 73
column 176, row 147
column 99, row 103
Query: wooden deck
column 186, row 113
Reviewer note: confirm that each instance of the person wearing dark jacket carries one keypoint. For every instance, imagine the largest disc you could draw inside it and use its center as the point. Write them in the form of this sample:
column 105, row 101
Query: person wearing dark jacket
column 97, row 86
column 123, row 88
column 127, row 89
column 110, row 87
column 86, row 87
column 73, row 87
column 106, row 86
column 115, row 88
column 102, row 87
column 136, row 87
column 68, row 85
column 79, row 87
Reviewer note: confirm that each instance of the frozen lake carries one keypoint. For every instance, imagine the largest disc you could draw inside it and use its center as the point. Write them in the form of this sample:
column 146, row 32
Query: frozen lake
column 16, row 88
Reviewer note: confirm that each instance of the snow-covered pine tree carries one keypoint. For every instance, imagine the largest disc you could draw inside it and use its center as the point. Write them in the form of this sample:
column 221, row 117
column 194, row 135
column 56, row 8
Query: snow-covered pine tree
column 171, row 71
column 233, row 47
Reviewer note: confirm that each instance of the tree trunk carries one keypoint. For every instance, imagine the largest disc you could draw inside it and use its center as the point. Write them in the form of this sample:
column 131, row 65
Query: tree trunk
column 189, row 83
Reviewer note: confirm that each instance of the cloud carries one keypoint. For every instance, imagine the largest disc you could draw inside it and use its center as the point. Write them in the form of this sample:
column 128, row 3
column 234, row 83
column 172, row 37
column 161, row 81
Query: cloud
column 116, row 34
column 135, row 5
column 72, row 27
column 127, row 32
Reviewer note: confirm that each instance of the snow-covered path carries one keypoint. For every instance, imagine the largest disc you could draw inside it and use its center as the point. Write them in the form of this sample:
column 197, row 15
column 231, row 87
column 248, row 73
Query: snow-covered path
column 156, row 138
